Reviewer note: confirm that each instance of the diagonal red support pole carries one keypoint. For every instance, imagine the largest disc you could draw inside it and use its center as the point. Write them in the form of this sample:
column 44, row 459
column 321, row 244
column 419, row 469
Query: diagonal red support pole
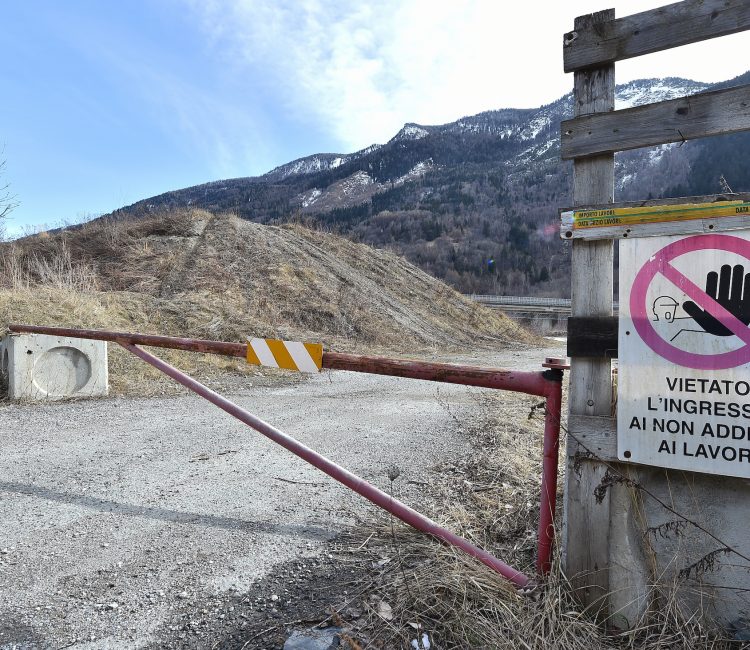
column 362, row 487
column 546, row 384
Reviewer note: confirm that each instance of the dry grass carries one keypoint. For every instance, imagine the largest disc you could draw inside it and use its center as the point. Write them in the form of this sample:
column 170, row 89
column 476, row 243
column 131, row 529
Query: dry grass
column 190, row 273
column 121, row 311
column 491, row 498
column 21, row 271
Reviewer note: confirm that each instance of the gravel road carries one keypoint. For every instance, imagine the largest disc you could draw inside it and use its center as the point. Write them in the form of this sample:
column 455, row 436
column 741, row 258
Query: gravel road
column 115, row 512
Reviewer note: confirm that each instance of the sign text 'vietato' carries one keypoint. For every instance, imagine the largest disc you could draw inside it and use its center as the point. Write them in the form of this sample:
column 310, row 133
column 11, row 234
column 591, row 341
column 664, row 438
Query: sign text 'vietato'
column 684, row 345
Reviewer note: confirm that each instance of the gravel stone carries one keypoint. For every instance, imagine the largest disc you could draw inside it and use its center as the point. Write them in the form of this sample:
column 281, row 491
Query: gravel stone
column 101, row 504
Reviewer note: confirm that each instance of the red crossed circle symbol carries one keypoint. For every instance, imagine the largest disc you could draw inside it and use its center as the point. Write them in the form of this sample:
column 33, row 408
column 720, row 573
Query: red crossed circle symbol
column 660, row 263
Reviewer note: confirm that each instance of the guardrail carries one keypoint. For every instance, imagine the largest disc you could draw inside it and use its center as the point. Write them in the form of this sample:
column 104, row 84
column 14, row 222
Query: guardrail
column 488, row 299
column 531, row 302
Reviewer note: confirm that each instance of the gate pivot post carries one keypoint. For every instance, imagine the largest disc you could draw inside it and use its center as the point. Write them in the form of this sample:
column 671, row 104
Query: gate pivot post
column 550, row 455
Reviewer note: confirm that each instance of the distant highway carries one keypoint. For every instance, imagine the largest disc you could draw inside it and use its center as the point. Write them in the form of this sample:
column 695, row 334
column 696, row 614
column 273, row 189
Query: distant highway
column 527, row 304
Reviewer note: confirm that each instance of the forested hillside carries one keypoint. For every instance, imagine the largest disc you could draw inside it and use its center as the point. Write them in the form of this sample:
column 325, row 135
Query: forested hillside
column 474, row 202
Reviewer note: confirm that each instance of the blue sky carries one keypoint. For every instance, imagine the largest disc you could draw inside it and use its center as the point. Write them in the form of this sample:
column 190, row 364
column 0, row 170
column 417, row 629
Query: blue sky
column 105, row 103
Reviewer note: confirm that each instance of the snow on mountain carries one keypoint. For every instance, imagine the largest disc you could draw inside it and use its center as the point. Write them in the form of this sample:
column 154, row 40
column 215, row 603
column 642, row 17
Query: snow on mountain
column 356, row 182
column 353, row 189
column 649, row 91
column 657, row 153
column 474, row 127
column 308, row 198
column 420, row 169
column 538, row 151
column 504, row 123
column 316, row 163
column 357, row 187
column 537, row 127
column 410, row 131
column 542, row 130
column 306, row 165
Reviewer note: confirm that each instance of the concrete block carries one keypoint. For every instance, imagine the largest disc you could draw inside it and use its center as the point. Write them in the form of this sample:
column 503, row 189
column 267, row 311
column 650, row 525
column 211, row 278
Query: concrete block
column 37, row 367
column 710, row 583
column 654, row 551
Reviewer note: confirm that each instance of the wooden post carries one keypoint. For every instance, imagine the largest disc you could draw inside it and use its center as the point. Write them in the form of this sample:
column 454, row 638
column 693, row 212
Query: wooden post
column 586, row 530
column 606, row 557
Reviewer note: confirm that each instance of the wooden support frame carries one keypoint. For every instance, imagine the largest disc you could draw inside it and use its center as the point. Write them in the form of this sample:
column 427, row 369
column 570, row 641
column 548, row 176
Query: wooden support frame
column 650, row 31
column 594, row 528
column 717, row 112
column 586, row 534
column 597, row 434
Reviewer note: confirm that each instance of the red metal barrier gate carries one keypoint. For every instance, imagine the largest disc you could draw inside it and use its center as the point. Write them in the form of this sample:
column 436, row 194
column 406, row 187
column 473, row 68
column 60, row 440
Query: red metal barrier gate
column 547, row 384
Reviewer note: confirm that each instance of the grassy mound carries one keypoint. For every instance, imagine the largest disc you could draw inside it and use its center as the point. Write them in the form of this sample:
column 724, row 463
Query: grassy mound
column 194, row 274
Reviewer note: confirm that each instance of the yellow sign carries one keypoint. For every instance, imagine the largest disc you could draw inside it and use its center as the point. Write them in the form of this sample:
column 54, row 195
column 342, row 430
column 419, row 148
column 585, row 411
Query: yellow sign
column 290, row 355
column 613, row 217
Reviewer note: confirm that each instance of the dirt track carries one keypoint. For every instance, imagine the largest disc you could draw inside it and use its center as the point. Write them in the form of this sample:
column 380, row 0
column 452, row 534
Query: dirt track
column 117, row 513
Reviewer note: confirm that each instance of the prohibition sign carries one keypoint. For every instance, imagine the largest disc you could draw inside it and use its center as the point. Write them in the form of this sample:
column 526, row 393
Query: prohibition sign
column 660, row 263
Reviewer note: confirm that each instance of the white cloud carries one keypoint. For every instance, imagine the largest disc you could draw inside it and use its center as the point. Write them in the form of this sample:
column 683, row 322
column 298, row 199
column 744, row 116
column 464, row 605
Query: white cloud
column 361, row 69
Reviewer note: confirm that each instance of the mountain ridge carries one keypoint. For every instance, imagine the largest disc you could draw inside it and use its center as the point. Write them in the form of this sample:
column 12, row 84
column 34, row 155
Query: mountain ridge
column 451, row 197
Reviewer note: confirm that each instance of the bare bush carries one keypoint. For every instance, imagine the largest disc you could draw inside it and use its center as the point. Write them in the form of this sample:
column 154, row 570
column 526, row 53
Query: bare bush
column 491, row 497
column 58, row 270
column 7, row 202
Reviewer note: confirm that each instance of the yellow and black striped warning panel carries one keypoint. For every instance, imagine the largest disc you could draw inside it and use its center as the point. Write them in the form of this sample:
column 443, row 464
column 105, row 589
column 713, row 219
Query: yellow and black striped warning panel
column 290, row 355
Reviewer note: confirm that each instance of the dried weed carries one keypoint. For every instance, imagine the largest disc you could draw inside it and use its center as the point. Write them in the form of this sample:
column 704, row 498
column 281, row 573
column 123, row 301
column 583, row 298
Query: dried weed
column 491, row 498
column 190, row 273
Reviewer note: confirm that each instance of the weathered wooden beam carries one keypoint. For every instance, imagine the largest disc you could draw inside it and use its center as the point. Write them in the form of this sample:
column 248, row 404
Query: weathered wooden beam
column 679, row 216
column 592, row 336
column 586, row 530
column 717, row 112
column 596, row 434
column 658, row 29
column 677, row 200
